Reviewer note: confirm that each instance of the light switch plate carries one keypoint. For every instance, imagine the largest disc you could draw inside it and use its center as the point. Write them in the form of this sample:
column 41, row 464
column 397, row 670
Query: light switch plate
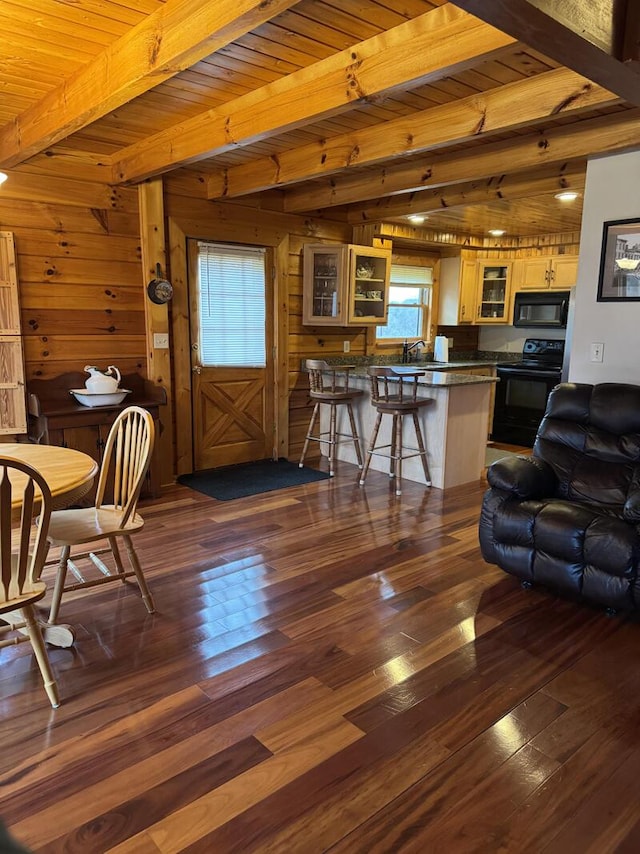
column 161, row 340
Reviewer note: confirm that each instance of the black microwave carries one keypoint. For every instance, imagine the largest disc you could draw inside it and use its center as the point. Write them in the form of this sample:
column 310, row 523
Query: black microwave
column 541, row 308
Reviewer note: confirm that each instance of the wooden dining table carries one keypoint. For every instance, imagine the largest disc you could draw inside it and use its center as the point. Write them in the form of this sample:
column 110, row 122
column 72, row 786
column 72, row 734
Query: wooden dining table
column 69, row 475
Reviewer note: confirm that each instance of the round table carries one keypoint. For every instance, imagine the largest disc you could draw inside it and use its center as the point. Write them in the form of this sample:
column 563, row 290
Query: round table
column 69, row 474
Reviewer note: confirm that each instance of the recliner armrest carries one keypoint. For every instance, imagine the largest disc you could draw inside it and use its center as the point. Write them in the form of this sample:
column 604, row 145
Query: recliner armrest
column 523, row 477
column 631, row 509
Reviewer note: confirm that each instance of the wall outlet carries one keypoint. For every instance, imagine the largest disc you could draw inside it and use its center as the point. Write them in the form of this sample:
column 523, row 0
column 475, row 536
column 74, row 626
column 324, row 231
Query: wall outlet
column 597, row 351
column 346, row 346
column 450, row 340
column 161, row 340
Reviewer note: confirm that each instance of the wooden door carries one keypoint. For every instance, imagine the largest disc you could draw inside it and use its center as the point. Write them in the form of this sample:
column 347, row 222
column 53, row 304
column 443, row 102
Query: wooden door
column 233, row 404
column 13, row 407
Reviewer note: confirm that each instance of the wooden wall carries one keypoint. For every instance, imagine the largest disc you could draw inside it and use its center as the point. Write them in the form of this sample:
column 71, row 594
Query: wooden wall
column 185, row 201
column 78, row 260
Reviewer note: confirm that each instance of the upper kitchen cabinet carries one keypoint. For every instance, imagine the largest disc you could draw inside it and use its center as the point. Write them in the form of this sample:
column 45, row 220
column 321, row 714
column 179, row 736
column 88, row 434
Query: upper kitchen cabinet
column 554, row 271
column 457, row 294
column 345, row 285
column 494, row 291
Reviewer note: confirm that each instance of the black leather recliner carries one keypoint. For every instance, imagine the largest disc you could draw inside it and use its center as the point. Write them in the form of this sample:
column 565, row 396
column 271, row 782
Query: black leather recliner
column 568, row 517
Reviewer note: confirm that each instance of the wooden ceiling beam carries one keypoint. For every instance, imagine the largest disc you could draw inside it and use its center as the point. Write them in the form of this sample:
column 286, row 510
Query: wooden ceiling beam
column 498, row 188
column 175, row 37
column 600, row 22
column 439, row 43
column 631, row 41
column 589, row 136
column 547, row 26
column 515, row 105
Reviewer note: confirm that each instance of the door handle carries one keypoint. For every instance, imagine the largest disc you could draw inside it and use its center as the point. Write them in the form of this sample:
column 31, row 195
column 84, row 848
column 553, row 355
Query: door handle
column 196, row 369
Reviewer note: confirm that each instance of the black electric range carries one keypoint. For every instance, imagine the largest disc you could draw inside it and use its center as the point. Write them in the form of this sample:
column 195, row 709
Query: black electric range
column 521, row 394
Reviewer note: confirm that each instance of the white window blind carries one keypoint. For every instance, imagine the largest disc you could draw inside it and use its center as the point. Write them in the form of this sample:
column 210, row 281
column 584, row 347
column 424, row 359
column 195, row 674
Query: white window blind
column 231, row 305
column 402, row 274
column 409, row 303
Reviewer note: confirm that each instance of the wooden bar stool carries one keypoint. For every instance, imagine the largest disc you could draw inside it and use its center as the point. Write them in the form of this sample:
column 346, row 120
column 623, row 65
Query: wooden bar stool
column 394, row 392
column 324, row 388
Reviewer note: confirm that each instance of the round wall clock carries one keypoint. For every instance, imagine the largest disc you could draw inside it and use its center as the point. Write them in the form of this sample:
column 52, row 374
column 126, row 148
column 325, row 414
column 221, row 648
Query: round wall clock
column 160, row 291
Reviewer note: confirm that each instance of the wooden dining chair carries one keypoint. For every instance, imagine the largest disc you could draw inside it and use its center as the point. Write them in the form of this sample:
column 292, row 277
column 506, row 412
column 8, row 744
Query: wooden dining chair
column 23, row 550
column 126, row 458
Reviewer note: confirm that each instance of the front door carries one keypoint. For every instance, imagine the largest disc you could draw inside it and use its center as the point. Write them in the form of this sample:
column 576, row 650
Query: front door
column 231, row 320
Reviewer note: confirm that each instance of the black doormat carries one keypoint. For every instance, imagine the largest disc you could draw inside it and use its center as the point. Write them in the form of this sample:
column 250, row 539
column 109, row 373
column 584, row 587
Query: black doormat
column 250, row 478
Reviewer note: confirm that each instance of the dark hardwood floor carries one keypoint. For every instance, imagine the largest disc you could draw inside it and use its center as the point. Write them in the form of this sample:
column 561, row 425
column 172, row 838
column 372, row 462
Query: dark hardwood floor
column 330, row 668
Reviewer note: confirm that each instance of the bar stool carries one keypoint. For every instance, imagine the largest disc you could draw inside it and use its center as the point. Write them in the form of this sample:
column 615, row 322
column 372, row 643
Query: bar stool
column 394, row 392
column 324, row 388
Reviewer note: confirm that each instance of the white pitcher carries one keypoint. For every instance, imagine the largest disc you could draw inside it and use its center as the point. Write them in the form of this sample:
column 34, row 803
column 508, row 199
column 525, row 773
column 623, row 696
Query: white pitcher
column 102, row 383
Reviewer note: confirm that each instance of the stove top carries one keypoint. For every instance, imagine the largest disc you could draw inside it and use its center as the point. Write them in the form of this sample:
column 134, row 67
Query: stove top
column 540, row 354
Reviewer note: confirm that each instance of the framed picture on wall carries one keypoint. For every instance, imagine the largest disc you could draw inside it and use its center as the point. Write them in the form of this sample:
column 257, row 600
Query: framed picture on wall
column 620, row 261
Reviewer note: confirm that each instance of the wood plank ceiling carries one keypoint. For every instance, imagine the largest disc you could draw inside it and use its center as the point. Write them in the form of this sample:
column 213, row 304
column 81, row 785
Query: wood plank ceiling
column 364, row 109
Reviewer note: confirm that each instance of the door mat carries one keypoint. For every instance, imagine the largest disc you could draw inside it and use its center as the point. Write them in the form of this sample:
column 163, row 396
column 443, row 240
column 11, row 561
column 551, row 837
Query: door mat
column 246, row 479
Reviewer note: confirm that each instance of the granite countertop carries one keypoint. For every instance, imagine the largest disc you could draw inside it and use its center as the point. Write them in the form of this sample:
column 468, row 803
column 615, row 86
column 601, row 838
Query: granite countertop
column 454, row 365
column 437, row 374
column 460, row 359
column 432, row 377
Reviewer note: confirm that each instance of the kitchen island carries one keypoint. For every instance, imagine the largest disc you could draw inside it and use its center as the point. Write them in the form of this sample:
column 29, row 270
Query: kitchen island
column 454, row 426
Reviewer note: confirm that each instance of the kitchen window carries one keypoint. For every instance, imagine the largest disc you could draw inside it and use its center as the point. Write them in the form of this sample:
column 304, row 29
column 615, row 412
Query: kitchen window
column 410, row 300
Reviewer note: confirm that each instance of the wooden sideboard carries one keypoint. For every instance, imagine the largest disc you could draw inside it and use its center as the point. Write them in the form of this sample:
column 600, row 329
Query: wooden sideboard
column 56, row 418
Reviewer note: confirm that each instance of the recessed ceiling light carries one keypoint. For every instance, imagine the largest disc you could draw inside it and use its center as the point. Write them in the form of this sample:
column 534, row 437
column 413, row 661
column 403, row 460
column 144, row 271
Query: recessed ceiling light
column 3, row 177
column 567, row 196
column 496, row 232
column 417, row 218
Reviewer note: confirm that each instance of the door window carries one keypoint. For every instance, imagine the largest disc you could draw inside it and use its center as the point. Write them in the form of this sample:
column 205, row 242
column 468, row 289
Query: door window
column 231, row 305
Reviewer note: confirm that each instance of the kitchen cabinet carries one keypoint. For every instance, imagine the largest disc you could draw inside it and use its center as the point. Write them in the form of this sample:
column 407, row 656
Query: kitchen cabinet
column 13, row 411
column 493, row 291
column 556, row 271
column 457, row 294
column 55, row 418
column 345, row 285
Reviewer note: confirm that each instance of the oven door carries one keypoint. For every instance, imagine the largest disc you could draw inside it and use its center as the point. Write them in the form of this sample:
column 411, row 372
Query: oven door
column 521, row 400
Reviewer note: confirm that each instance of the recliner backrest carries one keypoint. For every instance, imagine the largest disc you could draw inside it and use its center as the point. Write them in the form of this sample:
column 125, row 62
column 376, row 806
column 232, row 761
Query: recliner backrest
column 590, row 436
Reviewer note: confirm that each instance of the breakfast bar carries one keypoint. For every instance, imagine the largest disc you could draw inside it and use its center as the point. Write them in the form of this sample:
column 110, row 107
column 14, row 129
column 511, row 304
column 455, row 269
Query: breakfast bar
column 454, row 426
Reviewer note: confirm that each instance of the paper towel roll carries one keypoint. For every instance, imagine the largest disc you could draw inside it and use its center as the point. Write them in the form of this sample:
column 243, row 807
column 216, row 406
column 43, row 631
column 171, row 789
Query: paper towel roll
column 441, row 349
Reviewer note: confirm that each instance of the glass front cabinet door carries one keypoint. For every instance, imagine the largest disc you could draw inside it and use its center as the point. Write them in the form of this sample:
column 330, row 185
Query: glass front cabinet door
column 345, row 285
column 369, row 271
column 494, row 284
column 325, row 273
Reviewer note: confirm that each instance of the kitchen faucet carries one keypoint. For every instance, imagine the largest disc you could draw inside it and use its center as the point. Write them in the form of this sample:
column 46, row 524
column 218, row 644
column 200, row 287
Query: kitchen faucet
column 407, row 348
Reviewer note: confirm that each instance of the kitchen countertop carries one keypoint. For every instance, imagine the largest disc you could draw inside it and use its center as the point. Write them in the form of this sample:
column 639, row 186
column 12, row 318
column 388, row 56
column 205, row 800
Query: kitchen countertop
column 432, row 378
column 452, row 366
column 463, row 359
column 437, row 374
